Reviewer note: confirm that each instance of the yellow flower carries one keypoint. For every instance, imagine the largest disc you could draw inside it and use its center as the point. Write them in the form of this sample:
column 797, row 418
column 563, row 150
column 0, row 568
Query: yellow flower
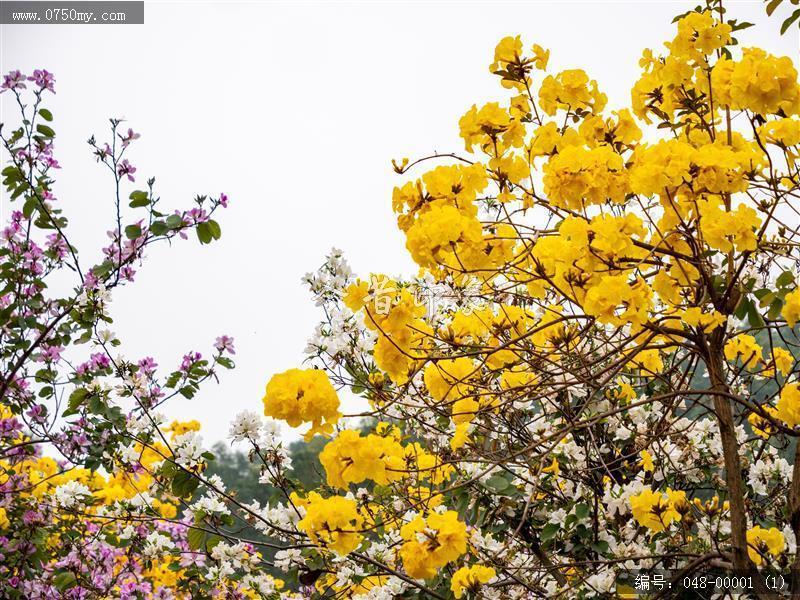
column 647, row 461
column 784, row 132
column 726, row 230
column 791, row 307
column 460, row 437
column 759, row 82
column 432, row 543
column 699, row 34
column 4, row 522
column 447, row 379
column 571, row 90
column 508, row 50
column 615, row 301
column 351, row 458
column 745, row 348
column 708, row 322
column 303, row 396
column 440, row 234
column 332, row 523
column 470, row 578
column 655, row 510
column 540, row 57
column 761, row 426
column 577, row 176
column 177, row 428
column 762, row 541
column 649, row 361
column 788, row 407
column 783, row 360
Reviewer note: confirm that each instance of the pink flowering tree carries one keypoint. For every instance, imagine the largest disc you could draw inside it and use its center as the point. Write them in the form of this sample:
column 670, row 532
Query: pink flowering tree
column 72, row 408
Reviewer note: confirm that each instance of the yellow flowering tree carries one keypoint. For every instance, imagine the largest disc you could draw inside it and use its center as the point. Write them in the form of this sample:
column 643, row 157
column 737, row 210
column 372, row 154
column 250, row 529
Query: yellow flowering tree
column 596, row 363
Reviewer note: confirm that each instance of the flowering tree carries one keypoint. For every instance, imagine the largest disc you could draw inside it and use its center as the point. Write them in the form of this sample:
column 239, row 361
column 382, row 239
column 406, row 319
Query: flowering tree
column 594, row 371
column 80, row 513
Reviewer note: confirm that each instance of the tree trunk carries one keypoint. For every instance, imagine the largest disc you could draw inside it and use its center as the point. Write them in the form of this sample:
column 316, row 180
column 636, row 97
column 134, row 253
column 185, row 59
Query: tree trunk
column 730, row 450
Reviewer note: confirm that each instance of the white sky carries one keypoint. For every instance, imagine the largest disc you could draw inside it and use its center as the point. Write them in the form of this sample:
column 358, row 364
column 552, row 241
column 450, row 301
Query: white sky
column 295, row 111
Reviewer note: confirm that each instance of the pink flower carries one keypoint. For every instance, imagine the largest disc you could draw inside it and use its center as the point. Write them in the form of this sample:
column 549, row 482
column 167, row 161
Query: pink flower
column 223, row 200
column 15, row 80
column 126, row 169
column 148, row 365
column 50, row 353
column 129, row 137
column 44, row 79
column 224, row 343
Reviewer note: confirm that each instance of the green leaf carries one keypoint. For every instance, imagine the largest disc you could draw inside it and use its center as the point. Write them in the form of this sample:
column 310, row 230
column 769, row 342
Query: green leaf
column 174, row 221
column 775, row 309
column 46, row 114
column 133, row 231
column 582, row 511
column 788, row 22
column 138, row 198
column 45, row 131
column 158, row 228
column 742, row 308
column 773, row 4
column 550, row 531
column 785, row 279
column 498, row 483
column 754, row 317
column 204, row 233
column 184, row 484
column 77, row 397
column 64, row 580
column 196, row 537
column 214, row 228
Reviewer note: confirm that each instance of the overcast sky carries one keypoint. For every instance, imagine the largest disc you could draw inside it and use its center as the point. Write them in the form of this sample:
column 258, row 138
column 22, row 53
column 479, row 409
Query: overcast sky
column 295, row 111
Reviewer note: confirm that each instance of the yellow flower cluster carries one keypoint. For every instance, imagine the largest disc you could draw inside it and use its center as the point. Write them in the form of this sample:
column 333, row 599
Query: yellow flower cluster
column 759, row 82
column 353, row 458
column 300, row 396
column 761, row 542
column 333, row 523
column 671, row 167
column 470, row 579
column 728, row 230
column 448, row 380
column 579, row 176
column 616, row 301
column 744, row 347
column 431, row 543
column 657, row 511
column 394, row 314
column 788, row 407
column 791, row 307
column 571, row 90
column 667, row 83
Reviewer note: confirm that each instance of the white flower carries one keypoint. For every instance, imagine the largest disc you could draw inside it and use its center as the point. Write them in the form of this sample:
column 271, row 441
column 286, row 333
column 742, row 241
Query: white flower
column 71, row 494
column 188, row 449
column 270, row 433
column 209, row 504
column 558, row 516
column 286, row 559
column 157, row 544
column 245, row 426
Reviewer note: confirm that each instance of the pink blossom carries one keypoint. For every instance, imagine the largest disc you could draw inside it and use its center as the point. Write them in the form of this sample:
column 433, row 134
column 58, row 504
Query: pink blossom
column 44, row 79
column 15, row 80
column 125, row 168
column 224, row 343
